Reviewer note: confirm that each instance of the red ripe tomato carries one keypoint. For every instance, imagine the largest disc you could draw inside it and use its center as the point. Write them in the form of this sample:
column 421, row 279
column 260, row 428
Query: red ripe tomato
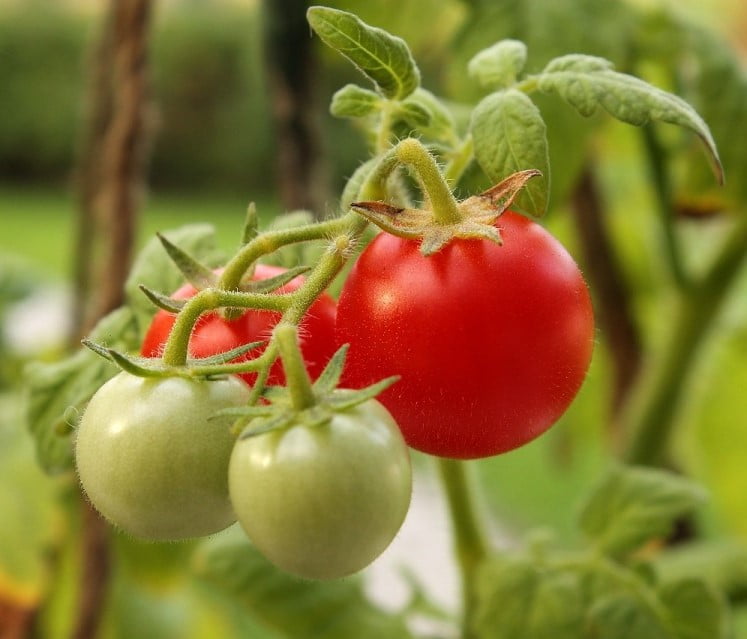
column 492, row 342
column 213, row 334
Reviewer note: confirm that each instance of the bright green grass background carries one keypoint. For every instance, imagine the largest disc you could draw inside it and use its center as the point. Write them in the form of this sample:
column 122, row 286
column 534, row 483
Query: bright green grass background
column 38, row 225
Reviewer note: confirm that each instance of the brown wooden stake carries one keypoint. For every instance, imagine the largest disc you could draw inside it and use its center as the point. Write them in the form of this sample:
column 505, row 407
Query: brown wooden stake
column 111, row 183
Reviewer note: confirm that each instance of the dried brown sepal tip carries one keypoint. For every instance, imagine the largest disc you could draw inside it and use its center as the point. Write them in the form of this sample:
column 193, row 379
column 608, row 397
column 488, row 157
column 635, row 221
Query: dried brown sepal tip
column 478, row 215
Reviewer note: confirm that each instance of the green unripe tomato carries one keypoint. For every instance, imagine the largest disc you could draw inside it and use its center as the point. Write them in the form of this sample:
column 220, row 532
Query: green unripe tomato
column 151, row 461
column 323, row 501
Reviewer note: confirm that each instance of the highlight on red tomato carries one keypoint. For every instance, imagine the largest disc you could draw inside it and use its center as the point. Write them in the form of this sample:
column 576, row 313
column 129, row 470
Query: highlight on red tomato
column 492, row 342
column 214, row 334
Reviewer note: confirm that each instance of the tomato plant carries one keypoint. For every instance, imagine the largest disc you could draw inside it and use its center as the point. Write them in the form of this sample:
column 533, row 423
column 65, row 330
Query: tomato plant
column 323, row 500
column 215, row 334
column 150, row 459
column 492, row 342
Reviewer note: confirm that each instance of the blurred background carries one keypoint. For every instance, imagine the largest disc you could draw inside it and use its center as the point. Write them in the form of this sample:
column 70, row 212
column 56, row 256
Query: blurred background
column 226, row 102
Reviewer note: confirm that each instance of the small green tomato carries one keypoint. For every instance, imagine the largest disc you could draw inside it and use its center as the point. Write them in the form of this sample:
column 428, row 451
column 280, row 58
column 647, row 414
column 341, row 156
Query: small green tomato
column 323, row 501
column 152, row 462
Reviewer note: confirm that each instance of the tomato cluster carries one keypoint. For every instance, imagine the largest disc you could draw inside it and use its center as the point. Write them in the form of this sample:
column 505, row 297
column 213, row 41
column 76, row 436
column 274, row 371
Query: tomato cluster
column 490, row 342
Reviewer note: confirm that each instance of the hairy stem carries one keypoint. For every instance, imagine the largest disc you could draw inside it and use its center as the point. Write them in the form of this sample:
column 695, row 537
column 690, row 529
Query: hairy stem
column 412, row 153
column 470, row 543
column 653, row 415
column 298, row 380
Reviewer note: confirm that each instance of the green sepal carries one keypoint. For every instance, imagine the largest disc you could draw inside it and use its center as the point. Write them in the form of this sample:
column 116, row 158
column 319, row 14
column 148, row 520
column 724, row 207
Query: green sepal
column 227, row 356
column 196, row 273
column 279, row 413
column 273, row 283
column 251, row 224
column 139, row 366
column 163, row 301
column 344, row 398
column 260, row 426
column 330, row 376
column 211, row 366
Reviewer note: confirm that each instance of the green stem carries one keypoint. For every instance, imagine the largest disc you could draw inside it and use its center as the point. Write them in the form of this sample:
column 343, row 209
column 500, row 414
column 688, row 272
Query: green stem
column 460, row 160
column 273, row 240
column 663, row 193
column 411, row 152
column 177, row 346
column 384, row 131
column 296, row 375
column 652, row 417
column 471, row 546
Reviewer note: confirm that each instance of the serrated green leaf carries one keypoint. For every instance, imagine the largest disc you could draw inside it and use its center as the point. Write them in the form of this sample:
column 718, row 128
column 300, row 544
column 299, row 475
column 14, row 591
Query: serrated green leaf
column 497, row 67
column 633, row 505
column 623, row 616
column 385, row 59
column 60, row 390
column 415, row 114
column 722, row 563
column 353, row 101
column 588, row 82
column 440, row 125
column 154, row 269
column 516, row 598
column 509, row 136
column 695, row 611
column 718, row 88
column 297, row 608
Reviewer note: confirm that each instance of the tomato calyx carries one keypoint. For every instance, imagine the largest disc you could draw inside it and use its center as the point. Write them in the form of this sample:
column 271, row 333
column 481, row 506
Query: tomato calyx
column 212, row 367
column 476, row 216
column 323, row 399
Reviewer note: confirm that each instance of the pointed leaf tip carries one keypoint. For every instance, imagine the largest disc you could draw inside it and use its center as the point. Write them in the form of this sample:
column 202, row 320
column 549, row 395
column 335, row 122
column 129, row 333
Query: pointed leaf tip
column 385, row 59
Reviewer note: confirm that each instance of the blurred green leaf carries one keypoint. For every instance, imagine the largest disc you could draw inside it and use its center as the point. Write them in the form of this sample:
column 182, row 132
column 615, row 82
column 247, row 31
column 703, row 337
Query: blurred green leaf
column 353, row 101
column 516, row 598
column 299, row 609
column 498, row 67
column 28, row 508
column 721, row 563
column 510, row 136
column 695, row 611
column 625, row 615
column 630, row 506
column 385, row 59
column 59, row 391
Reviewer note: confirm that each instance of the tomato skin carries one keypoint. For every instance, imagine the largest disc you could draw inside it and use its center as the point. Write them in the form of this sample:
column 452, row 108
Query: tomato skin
column 150, row 460
column 323, row 501
column 213, row 334
column 492, row 342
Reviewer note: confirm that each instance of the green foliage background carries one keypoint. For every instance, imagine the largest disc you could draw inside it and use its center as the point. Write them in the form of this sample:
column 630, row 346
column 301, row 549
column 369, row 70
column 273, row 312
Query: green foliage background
column 210, row 91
